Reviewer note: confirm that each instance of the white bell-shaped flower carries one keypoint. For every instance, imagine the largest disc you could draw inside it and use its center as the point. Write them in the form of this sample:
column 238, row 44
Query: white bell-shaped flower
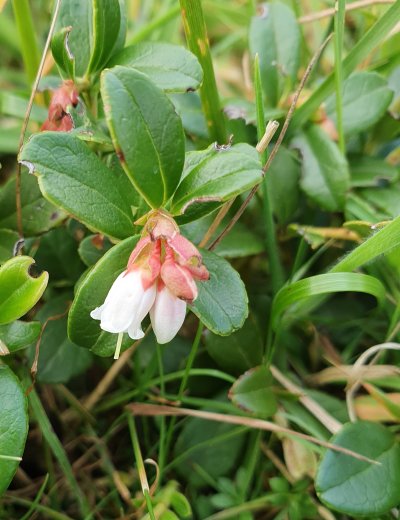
column 126, row 304
column 167, row 315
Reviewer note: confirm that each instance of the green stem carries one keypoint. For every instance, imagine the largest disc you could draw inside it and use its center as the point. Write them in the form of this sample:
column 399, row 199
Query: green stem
column 161, row 453
column 339, row 31
column 196, row 36
column 182, row 387
column 26, row 30
column 140, row 466
column 277, row 275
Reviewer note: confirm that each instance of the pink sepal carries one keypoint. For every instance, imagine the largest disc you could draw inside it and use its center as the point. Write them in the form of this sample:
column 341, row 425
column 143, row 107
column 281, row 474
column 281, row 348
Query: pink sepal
column 188, row 256
column 178, row 279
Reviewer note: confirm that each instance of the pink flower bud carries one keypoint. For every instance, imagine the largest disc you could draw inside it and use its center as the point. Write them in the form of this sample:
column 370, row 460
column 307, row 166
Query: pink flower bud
column 58, row 119
column 178, row 279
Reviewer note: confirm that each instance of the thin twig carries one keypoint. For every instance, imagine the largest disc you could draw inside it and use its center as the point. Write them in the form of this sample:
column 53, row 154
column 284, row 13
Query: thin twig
column 275, row 149
column 159, row 410
column 27, row 116
column 325, row 13
column 216, row 222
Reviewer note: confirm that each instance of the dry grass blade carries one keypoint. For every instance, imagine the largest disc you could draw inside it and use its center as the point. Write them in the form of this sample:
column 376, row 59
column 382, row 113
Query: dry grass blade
column 355, row 384
column 312, row 406
column 345, row 373
column 326, row 13
column 278, row 143
column 250, row 422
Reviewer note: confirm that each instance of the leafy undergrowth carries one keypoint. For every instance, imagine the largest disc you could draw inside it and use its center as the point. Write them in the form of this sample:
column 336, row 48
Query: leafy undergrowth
column 280, row 396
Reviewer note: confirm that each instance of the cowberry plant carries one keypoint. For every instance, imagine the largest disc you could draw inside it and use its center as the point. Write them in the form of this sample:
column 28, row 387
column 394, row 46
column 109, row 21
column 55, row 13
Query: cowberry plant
column 199, row 259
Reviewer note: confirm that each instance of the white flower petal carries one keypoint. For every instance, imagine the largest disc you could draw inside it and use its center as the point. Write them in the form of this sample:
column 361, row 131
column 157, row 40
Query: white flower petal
column 121, row 303
column 96, row 313
column 167, row 315
column 135, row 329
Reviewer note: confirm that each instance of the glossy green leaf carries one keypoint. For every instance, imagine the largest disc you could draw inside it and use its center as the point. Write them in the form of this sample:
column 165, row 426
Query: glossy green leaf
column 324, row 284
column 73, row 177
column 146, row 131
column 275, row 37
column 106, row 28
column 92, row 291
column 17, row 335
column 240, row 351
column 38, row 215
column 62, row 53
column 283, row 185
column 366, row 97
column 355, row 487
column 214, row 176
column 78, row 15
column 222, row 303
column 57, row 254
column 92, row 248
column 325, row 176
column 8, row 239
column 19, row 292
column 252, row 392
column 59, row 358
column 13, row 425
column 171, row 67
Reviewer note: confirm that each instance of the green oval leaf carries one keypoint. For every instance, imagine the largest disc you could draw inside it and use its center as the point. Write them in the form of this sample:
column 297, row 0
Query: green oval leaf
column 171, row 67
column 38, row 215
column 325, row 177
column 146, row 132
column 324, row 284
column 214, row 176
column 356, row 487
column 62, row 53
column 252, row 392
column 106, row 28
column 366, row 97
column 17, row 335
column 74, row 178
column 91, row 293
column 19, row 292
column 77, row 15
column 13, row 425
column 222, row 303
column 8, row 239
column 275, row 37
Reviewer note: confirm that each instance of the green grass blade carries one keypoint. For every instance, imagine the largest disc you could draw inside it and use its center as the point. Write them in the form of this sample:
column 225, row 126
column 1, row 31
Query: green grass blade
column 196, row 35
column 339, row 32
column 324, row 284
column 26, row 31
column 378, row 244
column 58, row 451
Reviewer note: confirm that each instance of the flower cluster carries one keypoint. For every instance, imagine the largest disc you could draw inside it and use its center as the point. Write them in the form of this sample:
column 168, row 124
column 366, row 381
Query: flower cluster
column 159, row 278
column 58, row 119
